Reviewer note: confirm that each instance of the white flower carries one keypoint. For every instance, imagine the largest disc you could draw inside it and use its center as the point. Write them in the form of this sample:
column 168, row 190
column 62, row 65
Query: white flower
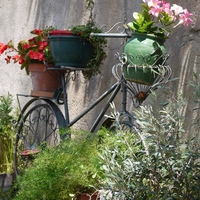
column 135, row 15
column 177, row 9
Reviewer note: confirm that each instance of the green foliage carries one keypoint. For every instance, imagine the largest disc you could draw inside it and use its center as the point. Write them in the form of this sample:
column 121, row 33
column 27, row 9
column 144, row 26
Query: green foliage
column 6, row 134
column 195, row 130
column 196, row 86
column 63, row 171
column 97, row 42
column 156, row 161
column 6, row 194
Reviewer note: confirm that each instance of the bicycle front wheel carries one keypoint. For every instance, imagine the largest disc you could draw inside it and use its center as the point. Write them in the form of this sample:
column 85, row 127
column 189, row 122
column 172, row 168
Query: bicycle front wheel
column 39, row 128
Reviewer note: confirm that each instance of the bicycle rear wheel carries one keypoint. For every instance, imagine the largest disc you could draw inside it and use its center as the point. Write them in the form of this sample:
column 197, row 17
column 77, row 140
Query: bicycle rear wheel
column 39, row 128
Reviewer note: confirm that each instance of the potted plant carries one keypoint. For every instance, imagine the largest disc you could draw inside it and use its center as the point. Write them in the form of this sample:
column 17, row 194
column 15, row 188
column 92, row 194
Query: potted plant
column 75, row 48
column 7, row 135
column 145, row 50
column 31, row 55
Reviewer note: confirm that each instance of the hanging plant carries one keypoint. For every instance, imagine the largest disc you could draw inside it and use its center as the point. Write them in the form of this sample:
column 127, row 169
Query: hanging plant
column 75, row 48
column 98, row 43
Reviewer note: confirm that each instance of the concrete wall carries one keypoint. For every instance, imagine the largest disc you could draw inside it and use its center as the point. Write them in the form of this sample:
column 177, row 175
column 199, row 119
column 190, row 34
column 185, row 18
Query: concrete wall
column 19, row 17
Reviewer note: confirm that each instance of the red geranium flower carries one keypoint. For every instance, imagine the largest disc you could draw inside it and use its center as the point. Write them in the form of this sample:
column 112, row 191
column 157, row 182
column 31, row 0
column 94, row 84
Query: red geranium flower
column 3, row 47
column 21, row 60
column 37, row 31
column 16, row 58
column 8, row 59
column 26, row 46
column 36, row 55
column 42, row 45
column 29, row 51
column 32, row 39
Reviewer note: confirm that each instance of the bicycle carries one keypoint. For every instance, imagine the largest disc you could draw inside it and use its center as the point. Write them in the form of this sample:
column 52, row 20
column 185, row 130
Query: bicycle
column 41, row 122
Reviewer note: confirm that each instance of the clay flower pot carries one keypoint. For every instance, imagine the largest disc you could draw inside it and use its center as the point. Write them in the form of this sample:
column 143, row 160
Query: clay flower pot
column 44, row 82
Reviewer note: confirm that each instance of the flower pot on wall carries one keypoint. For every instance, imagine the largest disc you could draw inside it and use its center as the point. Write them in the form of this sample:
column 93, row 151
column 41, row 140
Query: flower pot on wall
column 144, row 53
column 44, row 82
column 69, row 50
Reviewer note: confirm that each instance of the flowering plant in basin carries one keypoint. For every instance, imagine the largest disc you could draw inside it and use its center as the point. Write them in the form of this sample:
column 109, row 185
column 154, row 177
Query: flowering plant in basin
column 33, row 50
column 159, row 18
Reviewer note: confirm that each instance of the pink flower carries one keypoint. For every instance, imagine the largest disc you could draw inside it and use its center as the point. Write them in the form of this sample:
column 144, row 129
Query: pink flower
column 155, row 11
column 153, row 3
column 166, row 7
column 185, row 17
column 154, row 6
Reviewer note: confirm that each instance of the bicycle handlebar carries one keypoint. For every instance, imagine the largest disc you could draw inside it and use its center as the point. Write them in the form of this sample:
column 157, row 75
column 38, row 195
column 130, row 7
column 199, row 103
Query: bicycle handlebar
column 111, row 35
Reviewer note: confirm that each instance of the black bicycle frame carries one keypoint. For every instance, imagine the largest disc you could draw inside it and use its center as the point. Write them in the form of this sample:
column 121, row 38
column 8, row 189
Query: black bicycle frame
column 114, row 89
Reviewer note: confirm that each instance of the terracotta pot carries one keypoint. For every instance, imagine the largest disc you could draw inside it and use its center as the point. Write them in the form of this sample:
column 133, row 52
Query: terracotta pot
column 44, row 82
column 86, row 196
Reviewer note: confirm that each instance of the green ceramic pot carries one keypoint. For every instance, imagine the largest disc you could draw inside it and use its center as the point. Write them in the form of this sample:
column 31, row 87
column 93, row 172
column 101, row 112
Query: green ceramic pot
column 145, row 49
column 69, row 50
column 144, row 52
column 141, row 74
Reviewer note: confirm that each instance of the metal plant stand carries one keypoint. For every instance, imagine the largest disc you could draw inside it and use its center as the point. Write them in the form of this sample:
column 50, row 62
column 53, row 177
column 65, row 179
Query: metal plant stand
column 42, row 123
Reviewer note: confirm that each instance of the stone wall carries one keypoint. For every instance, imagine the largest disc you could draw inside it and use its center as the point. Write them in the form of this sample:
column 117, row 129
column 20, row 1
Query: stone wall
column 18, row 18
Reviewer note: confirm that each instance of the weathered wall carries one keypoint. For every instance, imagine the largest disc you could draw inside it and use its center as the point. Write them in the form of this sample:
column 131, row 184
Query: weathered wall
column 183, row 47
column 18, row 18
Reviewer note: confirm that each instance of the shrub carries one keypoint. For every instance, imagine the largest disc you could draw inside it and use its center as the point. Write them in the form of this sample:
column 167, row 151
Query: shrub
column 6, row 134
column 156, row 160
column 62, row 172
